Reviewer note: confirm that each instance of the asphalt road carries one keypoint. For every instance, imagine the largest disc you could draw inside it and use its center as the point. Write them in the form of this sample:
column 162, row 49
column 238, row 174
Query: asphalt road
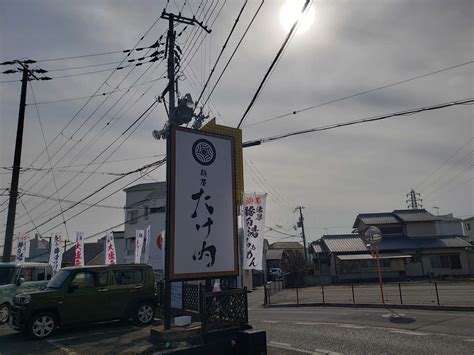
column 302, row 330
column 366, row 331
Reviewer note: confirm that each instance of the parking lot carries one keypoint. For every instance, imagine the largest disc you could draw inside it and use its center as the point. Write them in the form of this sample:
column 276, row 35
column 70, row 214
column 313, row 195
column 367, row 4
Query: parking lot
column 103, row 338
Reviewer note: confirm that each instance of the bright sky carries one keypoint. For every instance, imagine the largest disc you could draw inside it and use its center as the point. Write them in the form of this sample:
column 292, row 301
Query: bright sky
column 350, row 47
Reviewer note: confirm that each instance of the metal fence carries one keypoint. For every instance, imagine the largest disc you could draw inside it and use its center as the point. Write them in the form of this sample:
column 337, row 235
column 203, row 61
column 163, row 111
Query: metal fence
column 224, row 310
column 408, row 293
column 273, row 287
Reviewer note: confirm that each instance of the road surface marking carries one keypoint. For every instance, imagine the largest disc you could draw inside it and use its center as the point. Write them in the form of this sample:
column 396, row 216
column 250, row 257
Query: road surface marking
column 269, row 321
column 472, row 340
column 91, row 334
column 280, row 344
column 286, row 346
column 352, row 326
column 62, row 347
column 314, row 323
column 407, row 332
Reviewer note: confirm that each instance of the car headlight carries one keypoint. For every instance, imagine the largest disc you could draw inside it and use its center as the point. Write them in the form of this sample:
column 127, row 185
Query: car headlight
column 22, row 299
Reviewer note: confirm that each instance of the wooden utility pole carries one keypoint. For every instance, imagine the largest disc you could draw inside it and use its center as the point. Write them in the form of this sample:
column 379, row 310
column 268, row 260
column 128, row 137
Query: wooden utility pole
column 301, row 224
column 10, row 227
column 171, row 122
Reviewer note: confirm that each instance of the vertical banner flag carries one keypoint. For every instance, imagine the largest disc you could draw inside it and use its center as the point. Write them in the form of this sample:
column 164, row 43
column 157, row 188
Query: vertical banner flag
column 139, row 234
column 21, row 248
column 56, row 256
column 254, row 228
column 110, row 256
column 160, row 244
column 146, row 259
column 79, row 250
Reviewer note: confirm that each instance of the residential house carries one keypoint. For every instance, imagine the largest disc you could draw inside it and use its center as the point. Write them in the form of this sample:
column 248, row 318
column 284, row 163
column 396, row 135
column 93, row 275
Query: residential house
column 39, row 250
column 468, row 225
column 415, row 244
column 280, row 252
column 145, row 206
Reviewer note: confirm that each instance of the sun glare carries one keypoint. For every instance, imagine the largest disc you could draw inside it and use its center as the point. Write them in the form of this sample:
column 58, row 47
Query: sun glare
column 290, row 12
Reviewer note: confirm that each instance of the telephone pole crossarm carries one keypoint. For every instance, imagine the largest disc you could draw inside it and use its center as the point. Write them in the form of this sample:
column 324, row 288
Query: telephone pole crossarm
column 186, row 20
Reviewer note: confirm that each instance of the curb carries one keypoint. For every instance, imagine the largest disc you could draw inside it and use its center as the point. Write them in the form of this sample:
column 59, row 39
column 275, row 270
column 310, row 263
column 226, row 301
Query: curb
column 369, row 305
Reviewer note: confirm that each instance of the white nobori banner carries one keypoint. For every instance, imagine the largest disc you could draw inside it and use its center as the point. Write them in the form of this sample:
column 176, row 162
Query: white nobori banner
column 253, row 214
column 56, row 256
column 139, row 237
column 79, row 250
column 146, row 258
column 110, row 255
column 21, row 248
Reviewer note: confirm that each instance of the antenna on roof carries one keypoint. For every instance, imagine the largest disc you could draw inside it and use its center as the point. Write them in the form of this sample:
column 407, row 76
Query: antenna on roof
column 414, row 201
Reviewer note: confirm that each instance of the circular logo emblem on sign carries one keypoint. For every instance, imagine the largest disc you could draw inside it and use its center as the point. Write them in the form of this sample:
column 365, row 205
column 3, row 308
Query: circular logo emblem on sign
column 204, row 152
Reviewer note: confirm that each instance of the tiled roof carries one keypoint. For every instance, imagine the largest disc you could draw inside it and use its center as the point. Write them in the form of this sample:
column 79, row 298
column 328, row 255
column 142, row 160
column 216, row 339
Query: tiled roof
column 420, row 215
column 448, row 218
column 316, row 248
column 351, row 243
column 274, row 254
column 377, row 218
column 286, row 245
column 343, row 243
column 423, row 243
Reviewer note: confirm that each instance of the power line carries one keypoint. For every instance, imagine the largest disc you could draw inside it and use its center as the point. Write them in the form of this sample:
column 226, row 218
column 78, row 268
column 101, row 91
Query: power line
column 90, row 96
column 274, row 62
column 222, row 51
column 233, row 53
column 469, row 101
column 49, row 161
column 360, row 93
column 98, row 89
column 444, row 163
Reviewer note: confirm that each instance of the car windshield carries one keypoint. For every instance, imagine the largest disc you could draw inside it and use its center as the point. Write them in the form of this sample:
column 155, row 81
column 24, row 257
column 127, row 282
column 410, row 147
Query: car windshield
column 58, row 279
column 6, row 274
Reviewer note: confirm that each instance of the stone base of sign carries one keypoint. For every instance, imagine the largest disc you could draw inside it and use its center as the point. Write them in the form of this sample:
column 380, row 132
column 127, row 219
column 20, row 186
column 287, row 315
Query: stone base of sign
column 159, row 335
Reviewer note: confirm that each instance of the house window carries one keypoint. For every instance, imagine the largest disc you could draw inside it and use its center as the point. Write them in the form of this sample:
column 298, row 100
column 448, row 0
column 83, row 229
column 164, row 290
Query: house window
column 145, row 212
column 132, row 216
column 157, row 209
column 445, row 262
column 468, row 226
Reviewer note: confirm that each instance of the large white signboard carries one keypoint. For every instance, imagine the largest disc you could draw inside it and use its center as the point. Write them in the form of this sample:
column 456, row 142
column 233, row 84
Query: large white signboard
column 203, row 229
column 254, row 227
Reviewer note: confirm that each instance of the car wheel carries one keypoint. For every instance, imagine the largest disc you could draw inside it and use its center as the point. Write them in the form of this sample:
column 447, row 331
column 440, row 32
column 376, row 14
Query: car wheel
column 4, row 313
column 144, row 313
column 42, row 325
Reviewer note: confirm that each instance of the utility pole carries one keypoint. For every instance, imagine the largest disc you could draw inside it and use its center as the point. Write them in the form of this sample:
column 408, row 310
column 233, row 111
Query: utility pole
column 301, row 224
column 414, row 201
column 173, row 119
column 27, row 75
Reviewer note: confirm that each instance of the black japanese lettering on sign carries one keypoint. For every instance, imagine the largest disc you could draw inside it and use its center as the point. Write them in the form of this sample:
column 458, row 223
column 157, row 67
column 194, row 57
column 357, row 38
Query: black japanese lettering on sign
column 204, row 214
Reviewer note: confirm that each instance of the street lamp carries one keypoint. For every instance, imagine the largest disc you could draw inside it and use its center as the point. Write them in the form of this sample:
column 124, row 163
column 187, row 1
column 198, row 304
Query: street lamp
column 372, row 237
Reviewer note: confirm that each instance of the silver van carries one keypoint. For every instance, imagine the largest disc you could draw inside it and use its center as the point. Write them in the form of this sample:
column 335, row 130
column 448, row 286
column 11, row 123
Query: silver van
column 18, row 278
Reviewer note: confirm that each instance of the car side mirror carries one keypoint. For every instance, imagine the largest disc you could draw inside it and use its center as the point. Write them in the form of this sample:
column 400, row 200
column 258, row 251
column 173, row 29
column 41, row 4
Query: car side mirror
column 72, row 287
column 21, row 280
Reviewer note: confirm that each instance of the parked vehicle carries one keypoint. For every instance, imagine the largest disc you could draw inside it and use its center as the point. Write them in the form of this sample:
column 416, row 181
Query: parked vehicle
column 87, row 294
column 276, row 273
column 17, row 278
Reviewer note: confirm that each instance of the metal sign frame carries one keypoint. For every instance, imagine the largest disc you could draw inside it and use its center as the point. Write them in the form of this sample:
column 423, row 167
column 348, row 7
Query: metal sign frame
column 172, row 212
